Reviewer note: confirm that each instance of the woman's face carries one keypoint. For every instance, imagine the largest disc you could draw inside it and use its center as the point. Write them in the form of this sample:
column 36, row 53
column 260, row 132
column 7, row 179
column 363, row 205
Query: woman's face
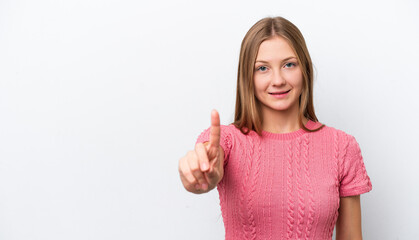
column 277, row 71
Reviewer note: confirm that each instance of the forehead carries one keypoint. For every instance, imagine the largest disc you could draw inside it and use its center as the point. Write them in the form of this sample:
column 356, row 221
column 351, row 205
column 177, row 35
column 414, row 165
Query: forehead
column 275, row 49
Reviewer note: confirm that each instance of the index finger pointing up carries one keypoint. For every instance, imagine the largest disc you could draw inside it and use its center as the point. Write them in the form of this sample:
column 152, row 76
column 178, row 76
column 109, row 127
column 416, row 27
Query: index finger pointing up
column 215, row 132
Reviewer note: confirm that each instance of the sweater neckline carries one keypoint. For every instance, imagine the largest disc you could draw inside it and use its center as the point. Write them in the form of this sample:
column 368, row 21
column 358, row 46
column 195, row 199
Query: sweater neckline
column 290, row 135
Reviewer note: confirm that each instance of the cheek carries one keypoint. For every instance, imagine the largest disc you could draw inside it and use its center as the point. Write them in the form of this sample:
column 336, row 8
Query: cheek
column 295, row 79
column 257, row 91
column 258, row 84
column 259, row 87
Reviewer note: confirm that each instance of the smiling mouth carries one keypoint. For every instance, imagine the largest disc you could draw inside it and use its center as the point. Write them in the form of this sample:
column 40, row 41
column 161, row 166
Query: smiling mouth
column 279, row 93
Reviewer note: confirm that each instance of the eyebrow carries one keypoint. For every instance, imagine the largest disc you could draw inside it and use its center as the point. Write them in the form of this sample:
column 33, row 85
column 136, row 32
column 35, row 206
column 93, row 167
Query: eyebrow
column 283, row 60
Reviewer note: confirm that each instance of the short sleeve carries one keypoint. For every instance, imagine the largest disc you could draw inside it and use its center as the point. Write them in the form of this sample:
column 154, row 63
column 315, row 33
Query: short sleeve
column 354, row 179
column 225, row 140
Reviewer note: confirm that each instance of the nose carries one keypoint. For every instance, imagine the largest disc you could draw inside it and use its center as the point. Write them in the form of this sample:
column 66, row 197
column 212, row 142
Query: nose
column 277, row 78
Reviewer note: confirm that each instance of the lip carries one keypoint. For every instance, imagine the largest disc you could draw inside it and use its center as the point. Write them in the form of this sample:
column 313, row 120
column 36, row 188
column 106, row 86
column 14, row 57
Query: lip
column 282, row 94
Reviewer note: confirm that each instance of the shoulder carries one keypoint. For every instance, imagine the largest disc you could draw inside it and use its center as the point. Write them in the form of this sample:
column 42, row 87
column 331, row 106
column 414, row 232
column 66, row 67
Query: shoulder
column 344, row 143
column 337, row 134
column 230, row 132
column 226, row 131
column 340, row 140
column 230, row 129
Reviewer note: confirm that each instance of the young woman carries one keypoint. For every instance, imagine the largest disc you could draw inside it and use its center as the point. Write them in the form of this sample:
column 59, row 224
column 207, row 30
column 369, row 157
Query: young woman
column 280, row 173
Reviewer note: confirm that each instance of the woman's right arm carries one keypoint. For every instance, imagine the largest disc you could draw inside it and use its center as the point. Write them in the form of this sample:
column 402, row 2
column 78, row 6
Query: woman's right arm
column 203, row 168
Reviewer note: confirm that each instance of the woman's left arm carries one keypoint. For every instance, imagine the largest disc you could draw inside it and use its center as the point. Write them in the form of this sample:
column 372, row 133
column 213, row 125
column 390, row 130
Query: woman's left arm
column 348, row 224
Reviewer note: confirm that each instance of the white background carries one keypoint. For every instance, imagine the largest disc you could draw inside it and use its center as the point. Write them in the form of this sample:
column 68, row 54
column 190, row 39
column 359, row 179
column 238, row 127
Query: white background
column 100, row 99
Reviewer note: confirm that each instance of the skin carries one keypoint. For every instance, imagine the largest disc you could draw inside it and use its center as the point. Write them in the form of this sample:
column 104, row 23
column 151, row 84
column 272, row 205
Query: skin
column 275, row 71
column 203, row 168
column 348, row 225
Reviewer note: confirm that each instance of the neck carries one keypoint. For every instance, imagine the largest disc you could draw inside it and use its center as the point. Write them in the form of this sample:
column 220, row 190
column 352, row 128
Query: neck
column 285, row 121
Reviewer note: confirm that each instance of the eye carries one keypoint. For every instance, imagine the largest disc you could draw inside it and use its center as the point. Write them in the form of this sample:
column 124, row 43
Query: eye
column 290, row 64
column 261, row 68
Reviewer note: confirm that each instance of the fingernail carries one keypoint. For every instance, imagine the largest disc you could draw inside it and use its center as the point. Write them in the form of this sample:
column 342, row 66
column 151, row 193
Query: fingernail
column 204, row 166
column 204, row 186
column 197, row 186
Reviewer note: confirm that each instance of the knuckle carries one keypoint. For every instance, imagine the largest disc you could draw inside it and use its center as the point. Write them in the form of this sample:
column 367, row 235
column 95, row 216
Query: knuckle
column 193, row 164
column 188, row 175
column 196, row 172
column 198, row 176
column 192, row 160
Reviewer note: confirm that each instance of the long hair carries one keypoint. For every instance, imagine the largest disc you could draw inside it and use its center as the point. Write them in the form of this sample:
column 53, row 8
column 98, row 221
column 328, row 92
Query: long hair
column 248, row 114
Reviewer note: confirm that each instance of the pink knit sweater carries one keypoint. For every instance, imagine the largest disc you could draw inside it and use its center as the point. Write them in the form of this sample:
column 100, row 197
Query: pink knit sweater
column 287, row 185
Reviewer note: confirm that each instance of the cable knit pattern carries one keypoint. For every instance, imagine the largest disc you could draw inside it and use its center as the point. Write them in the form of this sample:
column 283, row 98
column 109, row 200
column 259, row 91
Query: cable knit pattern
column 247, row 216
column 255, row 152
column 301, row 207
column 353, row 175
column 336, row 181
column 311, row 210
column 287, row 185
column 290, row 202
column 242, row 203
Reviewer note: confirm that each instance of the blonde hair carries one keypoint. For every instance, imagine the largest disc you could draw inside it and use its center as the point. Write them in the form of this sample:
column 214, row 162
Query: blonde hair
column 248, row 115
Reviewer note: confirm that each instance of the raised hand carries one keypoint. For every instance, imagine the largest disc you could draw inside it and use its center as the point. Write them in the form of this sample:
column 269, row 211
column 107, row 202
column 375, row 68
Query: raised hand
column 202, row 168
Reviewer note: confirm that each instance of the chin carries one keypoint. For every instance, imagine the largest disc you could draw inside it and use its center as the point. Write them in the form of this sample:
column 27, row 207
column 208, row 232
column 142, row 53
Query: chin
column 279, row 108
column 282, row 107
